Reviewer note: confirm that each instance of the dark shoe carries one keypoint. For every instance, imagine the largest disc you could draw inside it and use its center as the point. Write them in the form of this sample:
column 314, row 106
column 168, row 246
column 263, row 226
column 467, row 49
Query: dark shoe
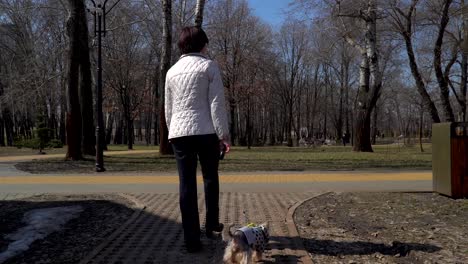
column 209, row 230
column 194, row 247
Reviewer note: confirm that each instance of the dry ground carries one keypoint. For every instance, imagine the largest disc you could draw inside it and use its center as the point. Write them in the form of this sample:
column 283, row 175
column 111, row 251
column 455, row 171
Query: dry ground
column 384, row 228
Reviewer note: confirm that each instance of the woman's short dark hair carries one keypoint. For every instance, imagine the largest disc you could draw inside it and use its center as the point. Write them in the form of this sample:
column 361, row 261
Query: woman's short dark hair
column 192, row 39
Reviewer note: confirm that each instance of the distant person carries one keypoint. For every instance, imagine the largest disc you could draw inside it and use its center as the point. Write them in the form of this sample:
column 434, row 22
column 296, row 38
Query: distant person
column 198, row 129
column 345, row 138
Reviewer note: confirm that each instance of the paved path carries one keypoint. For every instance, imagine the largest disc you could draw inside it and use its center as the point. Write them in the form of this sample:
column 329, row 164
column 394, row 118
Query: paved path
column 238, row 182
column 155, row 234
column 12, row 180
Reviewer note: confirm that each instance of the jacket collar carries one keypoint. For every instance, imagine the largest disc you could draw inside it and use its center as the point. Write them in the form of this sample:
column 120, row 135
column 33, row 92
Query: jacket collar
column 197, row 54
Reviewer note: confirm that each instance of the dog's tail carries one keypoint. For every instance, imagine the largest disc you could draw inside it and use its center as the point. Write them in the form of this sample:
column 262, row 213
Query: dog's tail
column 227, row 233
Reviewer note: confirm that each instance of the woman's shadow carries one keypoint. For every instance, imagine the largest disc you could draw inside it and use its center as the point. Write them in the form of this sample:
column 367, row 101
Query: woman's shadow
column 341, row 248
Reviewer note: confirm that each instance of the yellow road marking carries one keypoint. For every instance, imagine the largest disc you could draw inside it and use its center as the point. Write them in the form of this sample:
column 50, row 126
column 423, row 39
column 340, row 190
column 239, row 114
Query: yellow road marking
column 246, row 178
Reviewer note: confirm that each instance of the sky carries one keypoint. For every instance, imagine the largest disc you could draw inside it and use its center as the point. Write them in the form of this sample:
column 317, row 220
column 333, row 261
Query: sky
column 271, row 11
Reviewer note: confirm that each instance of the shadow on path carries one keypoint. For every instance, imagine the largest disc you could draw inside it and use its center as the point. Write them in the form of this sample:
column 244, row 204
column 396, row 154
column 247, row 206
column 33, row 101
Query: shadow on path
column 98, row 219
column 338, row 248
column 334, row 248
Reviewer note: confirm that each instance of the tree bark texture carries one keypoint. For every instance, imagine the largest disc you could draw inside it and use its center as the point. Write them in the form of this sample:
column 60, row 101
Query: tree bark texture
column 463, row 87
column 74, row 118
column 164, row 146
column 441, row 79
column 370, row 81
column 406, row 30
column 109, row 127
column 86, row 90
column 199, row 13
column 464, row 64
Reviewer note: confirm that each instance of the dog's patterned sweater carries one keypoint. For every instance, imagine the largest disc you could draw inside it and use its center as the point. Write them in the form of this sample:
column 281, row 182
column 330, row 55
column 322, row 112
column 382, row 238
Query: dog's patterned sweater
column 257, row 237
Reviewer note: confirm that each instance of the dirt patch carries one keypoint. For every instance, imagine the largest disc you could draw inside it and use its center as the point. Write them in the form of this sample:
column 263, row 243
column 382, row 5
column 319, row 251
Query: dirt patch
column 384, row 228
column 102, row 215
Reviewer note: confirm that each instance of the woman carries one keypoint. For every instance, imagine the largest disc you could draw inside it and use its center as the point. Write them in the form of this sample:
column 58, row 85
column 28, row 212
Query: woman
column 197, row 121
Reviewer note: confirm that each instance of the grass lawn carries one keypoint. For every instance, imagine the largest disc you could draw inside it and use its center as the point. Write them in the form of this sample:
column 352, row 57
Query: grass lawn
column 258, row 159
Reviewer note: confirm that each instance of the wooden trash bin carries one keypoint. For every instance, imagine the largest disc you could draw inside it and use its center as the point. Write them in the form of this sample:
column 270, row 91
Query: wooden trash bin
column 450, row 159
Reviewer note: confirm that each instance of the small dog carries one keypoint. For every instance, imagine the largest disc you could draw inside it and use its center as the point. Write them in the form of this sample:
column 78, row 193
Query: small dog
column 247, row 244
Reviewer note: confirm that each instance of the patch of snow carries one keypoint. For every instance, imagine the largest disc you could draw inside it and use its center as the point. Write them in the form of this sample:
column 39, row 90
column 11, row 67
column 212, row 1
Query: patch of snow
column 39, row 224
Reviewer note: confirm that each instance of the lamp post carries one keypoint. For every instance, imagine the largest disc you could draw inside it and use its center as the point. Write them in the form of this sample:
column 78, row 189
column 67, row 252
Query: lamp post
column 99, row 12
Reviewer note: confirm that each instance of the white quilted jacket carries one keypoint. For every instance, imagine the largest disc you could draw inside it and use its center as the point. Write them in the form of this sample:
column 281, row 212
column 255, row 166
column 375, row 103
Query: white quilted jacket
column 194, row 100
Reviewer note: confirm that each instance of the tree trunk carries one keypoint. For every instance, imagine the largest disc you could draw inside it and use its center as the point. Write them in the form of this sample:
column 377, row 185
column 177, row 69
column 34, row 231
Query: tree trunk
column 325, row 110
column 464, row 63
column 119, row 132
column 148, row 127
column 314, row 103
column 130, row 131
column 86, row 90
column 140, row 127
column 406, row 30
column 289, row 127
column 420, row 85
column 156, row 129
column 2, row 132
column 362, row 132
column 298, row 116
column 374, row 126
column 343, row 83
column 248, row 127
column 463, row 86
column 109, row 127
column 74, row 117
column 232, row 125
column 199, row 13
column 63, row 131
column 362, row 119
column 156, row 113
column 370, row 82
column 272, row 127
column 164, row 147
column 9, row 130
column 443, row 83
column 421, row 121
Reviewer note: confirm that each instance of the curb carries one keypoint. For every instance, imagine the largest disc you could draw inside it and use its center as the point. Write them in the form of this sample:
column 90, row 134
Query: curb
column 305, row 258
column 138, row 207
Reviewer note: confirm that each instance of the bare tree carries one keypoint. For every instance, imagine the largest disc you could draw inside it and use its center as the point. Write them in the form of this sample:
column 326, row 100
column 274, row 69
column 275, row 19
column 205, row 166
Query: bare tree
column 74, row 117
column 442, row 78
column 86, row 90
column 403, row 23
column 293, row 46
column 238, row 41
column 370, row 75
column 164, row 147
column 127, row 73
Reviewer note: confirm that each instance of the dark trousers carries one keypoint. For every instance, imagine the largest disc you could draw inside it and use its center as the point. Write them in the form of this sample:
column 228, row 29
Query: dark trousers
column 187, row 151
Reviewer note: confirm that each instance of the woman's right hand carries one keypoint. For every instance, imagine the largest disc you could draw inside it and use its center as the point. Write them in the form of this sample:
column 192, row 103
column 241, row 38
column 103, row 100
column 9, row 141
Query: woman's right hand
column 224, row 144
